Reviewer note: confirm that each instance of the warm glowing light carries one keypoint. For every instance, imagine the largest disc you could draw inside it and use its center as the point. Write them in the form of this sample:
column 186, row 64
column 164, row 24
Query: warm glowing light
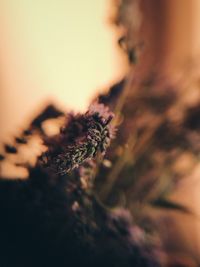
column 60, row 50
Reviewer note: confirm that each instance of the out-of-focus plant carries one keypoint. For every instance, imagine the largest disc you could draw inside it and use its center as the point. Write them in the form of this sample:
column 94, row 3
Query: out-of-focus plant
column 92, row 196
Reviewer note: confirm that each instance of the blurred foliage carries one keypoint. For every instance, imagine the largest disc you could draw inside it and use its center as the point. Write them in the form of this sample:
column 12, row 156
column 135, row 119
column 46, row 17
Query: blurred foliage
column 157, row 143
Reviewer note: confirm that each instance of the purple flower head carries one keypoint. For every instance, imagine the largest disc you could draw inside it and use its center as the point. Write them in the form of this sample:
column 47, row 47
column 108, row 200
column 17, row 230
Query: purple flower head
column 101, row 111
column 83, row 137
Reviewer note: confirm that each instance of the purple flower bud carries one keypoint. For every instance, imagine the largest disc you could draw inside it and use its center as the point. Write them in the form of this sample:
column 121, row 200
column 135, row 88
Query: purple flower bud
column 83, row 137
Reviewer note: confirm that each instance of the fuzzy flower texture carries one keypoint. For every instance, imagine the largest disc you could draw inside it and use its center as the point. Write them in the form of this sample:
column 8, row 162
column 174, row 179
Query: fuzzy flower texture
column 82, row 138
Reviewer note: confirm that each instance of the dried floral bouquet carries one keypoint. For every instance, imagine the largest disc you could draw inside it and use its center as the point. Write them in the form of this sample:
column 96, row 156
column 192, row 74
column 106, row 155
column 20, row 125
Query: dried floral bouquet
column 91, row 196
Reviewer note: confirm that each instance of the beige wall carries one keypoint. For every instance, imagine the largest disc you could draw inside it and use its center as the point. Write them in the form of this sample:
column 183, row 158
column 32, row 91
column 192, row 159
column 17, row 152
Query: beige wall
column 60, row 49
column 65, row 50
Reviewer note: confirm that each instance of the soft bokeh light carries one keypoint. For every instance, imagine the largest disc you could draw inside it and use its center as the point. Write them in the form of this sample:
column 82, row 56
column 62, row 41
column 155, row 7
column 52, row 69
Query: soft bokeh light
column 56, row 50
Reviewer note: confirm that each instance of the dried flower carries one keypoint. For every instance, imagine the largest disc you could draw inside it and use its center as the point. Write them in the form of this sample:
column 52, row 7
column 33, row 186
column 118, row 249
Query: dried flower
column 82, row 138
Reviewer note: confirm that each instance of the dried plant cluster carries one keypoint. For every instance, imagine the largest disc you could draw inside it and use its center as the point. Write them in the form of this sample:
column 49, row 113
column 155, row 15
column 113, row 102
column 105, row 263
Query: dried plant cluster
column 93, row 134
column 92, row 195
column 54, row 216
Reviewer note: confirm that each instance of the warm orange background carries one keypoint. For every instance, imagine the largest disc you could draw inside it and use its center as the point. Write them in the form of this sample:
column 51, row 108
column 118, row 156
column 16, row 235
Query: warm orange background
column 66, row 51
column 60, row 49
